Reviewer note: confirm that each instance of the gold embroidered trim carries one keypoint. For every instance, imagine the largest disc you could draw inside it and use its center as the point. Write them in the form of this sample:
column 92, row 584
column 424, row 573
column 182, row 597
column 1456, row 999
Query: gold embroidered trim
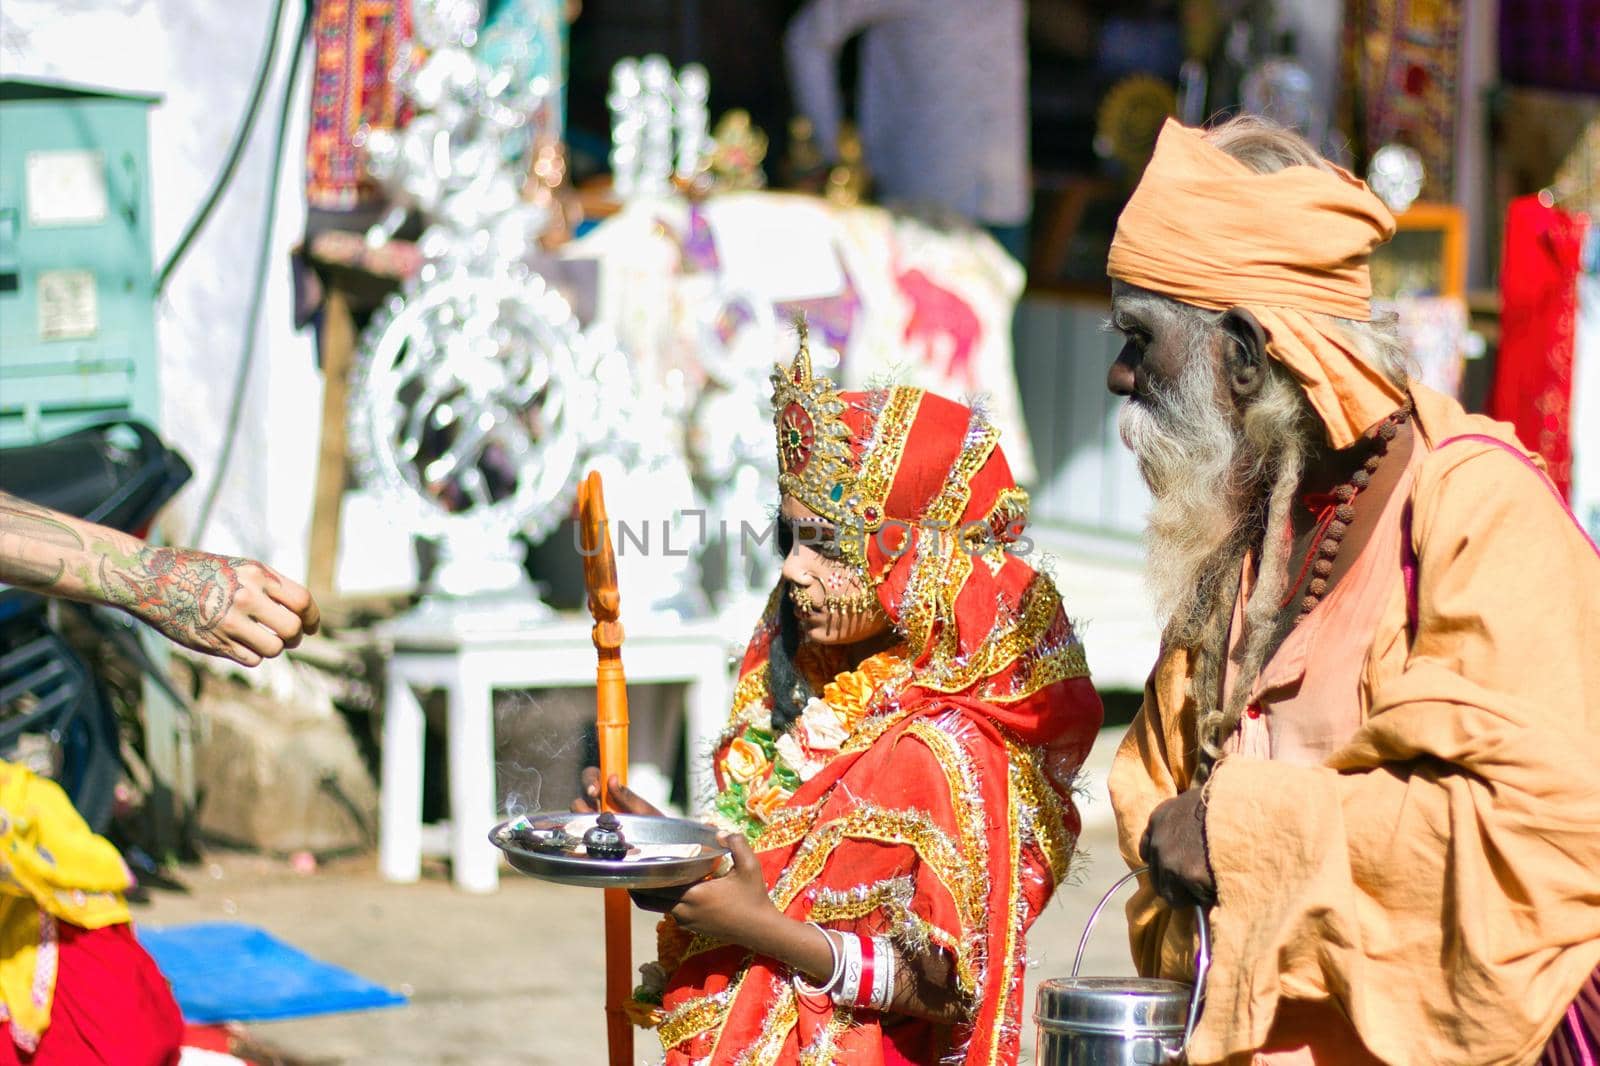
column 775, row 1028
column 1049, row 667
column 788, row 825
column 940, row 561
column 881, row 461
column 1049, row 813
column 1008, row 958
column 966, row 801
column 892, row 895
column 928, row 594
column 691, row 1018
column 1038, row 639
column 820, row 1053
column 870, row 822
column 952, row 500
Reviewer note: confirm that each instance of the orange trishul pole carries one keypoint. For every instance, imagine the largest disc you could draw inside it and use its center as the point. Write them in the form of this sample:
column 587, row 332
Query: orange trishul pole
column 611, row 719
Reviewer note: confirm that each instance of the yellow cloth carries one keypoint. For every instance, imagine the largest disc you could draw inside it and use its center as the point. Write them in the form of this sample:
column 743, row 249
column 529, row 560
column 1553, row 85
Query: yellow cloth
column 1205, row 229
column 1436, row 883
column 50, row 864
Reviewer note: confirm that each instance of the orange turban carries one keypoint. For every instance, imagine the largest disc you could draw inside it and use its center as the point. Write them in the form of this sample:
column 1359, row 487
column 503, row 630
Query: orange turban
column 1205, row 229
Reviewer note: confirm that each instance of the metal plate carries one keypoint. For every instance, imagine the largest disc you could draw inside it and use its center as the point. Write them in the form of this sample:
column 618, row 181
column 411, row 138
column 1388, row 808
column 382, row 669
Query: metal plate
column 567, row 869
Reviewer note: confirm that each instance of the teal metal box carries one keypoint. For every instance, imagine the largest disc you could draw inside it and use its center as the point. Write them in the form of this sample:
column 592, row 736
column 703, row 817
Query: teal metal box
column 77, row 295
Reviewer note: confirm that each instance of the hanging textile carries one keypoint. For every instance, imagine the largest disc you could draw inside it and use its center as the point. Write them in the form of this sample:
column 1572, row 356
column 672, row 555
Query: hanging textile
column 358, row 43
column 1538, row 328
column 1402, row 63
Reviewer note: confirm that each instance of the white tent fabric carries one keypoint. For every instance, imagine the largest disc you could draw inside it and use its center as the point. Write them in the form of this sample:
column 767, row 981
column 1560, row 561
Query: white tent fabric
column 201, row 57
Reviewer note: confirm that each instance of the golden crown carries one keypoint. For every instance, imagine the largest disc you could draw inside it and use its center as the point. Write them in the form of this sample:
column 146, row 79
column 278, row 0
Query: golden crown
column 815, row 462
column 817, row 465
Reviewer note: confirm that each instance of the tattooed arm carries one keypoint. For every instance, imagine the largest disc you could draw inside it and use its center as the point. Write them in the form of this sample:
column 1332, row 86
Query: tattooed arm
column 220, row 605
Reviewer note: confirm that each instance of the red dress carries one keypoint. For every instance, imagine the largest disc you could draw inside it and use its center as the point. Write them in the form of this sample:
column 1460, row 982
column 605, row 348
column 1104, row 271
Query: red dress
column 112, row 1007
column 925, row 793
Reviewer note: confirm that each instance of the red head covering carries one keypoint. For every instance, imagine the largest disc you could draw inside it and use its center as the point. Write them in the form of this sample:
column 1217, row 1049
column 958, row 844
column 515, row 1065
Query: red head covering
column 927, row 509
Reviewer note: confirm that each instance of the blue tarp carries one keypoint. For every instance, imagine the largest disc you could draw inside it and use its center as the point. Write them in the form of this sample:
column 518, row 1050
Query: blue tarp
column 228, row 972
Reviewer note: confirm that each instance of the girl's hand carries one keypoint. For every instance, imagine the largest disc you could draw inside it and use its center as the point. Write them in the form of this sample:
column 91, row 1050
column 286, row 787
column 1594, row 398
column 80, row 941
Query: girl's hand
column 733, row 908
column 627, row 802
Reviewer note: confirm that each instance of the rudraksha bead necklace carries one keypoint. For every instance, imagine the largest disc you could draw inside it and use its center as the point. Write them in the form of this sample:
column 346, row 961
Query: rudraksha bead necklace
column 1335, row 511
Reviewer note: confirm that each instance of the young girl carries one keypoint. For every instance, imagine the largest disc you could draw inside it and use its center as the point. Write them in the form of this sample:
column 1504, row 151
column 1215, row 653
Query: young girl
column 896, row 773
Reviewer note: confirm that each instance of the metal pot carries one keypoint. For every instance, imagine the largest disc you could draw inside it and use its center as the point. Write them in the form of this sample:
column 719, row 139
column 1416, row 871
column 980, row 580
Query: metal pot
column 1118, row 1021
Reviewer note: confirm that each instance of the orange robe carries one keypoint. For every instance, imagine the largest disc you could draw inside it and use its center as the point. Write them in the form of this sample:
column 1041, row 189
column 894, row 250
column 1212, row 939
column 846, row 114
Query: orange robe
column 1431, row 892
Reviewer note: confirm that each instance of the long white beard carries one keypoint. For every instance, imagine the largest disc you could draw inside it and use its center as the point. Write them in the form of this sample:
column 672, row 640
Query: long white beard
column 1188, row 453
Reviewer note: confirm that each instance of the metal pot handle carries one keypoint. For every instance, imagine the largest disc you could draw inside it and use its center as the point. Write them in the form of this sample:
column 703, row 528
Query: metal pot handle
column 1202, row 959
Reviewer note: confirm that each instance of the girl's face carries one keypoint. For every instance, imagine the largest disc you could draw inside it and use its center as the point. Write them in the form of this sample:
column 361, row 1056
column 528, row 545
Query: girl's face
column 829, row 597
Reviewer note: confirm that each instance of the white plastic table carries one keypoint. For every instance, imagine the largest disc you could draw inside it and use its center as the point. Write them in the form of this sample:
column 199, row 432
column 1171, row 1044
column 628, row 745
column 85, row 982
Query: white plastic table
column 470, row 656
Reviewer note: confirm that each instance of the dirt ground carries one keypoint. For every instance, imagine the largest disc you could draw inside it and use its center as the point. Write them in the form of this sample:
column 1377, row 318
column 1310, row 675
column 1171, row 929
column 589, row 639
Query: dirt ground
column 516, row 977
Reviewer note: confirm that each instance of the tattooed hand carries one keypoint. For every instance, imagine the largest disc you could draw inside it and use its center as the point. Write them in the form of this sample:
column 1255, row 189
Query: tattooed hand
column 220, row 605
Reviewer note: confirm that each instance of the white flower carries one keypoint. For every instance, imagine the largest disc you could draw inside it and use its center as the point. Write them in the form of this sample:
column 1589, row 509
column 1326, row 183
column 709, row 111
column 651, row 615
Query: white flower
column 652, row 977
column 821, row 727
column 795, row 757
column 758, row 714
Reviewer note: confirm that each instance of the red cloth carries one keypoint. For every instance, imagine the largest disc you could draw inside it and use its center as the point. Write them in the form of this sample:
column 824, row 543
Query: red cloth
column 1538, row 330
column 946, row 819
column 208, row 1038
column 112, row 1007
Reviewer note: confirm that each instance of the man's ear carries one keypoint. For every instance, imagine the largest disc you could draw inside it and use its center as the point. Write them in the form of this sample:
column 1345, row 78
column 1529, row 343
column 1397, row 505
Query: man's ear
column 1245, row 361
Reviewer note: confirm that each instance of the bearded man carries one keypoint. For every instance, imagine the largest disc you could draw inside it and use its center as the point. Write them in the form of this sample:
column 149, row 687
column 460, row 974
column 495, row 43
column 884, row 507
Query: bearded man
column 1371, row 744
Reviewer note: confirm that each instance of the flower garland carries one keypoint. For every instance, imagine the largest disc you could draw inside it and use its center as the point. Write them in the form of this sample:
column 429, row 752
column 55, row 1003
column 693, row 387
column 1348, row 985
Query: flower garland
column 762, row 769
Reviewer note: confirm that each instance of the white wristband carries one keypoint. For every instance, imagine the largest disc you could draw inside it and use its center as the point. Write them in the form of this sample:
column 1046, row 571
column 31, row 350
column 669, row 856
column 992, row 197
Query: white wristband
column 849, row 987
column 882, row 973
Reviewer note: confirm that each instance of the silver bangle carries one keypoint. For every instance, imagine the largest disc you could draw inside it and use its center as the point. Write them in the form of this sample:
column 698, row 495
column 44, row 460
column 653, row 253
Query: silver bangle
column 805, row 989
column 883, row 973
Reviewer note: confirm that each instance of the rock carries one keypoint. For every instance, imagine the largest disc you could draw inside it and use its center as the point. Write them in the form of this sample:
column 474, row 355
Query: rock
column 280, row 777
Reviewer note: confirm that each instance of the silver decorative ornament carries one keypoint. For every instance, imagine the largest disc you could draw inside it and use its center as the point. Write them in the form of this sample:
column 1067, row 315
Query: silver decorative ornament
column 660, row 125
column 475, row 398
column 440, row 23
column 1282, row 90
column 1395, row 176
column 469, row 418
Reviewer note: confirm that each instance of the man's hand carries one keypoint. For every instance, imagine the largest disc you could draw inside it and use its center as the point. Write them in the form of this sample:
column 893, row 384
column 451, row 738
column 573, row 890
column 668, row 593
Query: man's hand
column 235, row 608
column 220, row 605
column 733, row 908
column 1175, row 848
column 627, row 801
